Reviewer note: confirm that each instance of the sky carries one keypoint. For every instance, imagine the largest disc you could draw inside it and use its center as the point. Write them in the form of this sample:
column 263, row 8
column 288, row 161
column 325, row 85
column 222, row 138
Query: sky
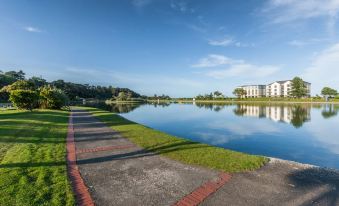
column 174, row 47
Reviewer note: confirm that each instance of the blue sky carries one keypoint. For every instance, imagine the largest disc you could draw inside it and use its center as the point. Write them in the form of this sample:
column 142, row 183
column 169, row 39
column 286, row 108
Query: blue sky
column 175, row 47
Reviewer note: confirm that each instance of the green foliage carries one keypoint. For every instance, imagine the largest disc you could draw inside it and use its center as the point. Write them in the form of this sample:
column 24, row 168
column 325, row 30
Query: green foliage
column 32, row 158
column 24, row 99
column 38, row 82
column 52, row 98
column 122, row 97
column 299, row 116
column 217, row 94
column 19, row 85
column 239, row 92
column 327, row 91
column 298, row 88
column 180, row 149
column 160, row 97
column 75, row 91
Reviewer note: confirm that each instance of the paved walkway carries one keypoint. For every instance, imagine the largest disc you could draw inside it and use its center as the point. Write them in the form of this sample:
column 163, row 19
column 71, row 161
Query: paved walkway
column 124, row 174
column 119, row 173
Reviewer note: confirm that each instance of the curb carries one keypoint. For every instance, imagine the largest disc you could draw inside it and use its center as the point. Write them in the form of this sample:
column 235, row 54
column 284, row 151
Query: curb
column 82, row 196
column 204, row 191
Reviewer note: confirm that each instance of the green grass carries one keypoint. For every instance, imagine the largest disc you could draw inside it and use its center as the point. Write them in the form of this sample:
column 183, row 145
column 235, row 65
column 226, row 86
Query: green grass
column 180, row 149
column 32, row 158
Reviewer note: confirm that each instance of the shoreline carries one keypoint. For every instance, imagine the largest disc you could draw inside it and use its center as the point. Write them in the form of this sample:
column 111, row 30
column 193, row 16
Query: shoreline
column 268, row 159
column 245, row 101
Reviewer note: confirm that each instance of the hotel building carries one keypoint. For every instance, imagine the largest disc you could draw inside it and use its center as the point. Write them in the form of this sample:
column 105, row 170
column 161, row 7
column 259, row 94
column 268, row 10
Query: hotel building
column 274, row 89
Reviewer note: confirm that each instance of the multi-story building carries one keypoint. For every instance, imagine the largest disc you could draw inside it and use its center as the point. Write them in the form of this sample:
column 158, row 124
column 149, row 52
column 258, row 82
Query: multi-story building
column 275, row 89
column 254, row 90
column 283, row 88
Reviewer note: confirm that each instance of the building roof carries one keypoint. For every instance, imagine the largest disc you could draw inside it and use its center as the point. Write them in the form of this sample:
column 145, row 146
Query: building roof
column 252, row 85
column 280, row 82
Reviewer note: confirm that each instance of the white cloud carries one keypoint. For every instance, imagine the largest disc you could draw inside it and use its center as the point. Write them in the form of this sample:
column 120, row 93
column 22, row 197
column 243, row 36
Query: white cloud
column 244, row 70
column 214, row 60
column 301, row 43
column 243, row 128
column 291, row 10
column 235, row 68
column 32, row 29
column 180, row 6
column 324, row 69
column 223, row 42
column 228, row 42
column 140, row 3
column 284, row 11
column 326, row 132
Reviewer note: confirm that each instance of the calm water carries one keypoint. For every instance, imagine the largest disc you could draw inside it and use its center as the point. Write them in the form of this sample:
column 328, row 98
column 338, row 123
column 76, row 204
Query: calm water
column 305, row 133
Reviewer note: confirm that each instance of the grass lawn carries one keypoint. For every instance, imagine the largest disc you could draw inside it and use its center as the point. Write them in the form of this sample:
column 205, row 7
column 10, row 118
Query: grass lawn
column 32, row 158
column 180, row 149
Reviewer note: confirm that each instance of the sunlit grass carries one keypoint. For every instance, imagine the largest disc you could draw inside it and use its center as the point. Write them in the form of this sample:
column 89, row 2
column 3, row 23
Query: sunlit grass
column 32, row 158
column 180, row 149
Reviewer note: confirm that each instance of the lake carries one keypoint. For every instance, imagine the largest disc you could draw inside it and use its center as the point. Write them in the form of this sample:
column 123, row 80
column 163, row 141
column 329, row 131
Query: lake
column 306, row 133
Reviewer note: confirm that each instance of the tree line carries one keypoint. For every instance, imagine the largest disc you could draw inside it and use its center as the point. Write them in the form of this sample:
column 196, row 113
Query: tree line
column 36, row 92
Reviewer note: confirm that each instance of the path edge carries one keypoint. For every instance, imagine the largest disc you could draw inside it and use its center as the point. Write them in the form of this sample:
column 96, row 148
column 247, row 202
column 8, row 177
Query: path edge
column 82, row 195
column 204, row 191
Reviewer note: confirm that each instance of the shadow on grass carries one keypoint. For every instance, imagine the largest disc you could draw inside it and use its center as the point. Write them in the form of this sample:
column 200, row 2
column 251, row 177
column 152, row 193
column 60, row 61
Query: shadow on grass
column 312, row 178
column 96, row 137
column 187, row 145
column 33, row 141
column 32, row 164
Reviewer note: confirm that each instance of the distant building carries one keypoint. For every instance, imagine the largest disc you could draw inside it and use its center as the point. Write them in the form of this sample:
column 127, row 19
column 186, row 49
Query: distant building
column 253, row 91
column 283, row 88
column 274, row 89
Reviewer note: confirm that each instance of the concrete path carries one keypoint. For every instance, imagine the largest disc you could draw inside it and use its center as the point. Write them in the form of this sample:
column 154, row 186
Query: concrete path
column 128, row 175
column 120, row 173
column 280, row 183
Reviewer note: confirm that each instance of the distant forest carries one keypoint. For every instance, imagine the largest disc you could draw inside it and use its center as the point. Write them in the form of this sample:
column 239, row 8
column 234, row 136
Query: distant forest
column 72, row 90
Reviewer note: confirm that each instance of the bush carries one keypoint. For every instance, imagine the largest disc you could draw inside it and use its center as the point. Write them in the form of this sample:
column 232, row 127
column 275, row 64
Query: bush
column 52, row 98
column 24, row 99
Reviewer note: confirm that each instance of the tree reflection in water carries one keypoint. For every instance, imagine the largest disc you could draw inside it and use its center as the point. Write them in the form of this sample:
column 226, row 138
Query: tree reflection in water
column 330, row 110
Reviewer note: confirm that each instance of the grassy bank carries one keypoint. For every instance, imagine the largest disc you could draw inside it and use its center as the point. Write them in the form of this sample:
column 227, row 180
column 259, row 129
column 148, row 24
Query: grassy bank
column 32, row 158
column 180, row 149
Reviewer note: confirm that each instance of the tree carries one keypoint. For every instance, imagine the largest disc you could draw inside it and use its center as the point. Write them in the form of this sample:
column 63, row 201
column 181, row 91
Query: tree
column 298, row 88
column 217, row 93
column 327, row 91
column 122, row 96
column 299, row 116
column 52, row 98
column 24, row 99
column 20, row 75
column 19, row 85
column 239, row 92
column 38, row 81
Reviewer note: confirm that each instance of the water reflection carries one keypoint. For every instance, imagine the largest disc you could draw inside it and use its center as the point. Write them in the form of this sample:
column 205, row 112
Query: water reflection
column 305, row 133
column 296, row 115
column 329, row 111
column 116, row 107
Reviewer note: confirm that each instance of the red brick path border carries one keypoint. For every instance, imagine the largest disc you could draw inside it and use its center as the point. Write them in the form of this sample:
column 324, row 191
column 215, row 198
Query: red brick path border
column 98, row 149
column 83, row 198
column 202, row 192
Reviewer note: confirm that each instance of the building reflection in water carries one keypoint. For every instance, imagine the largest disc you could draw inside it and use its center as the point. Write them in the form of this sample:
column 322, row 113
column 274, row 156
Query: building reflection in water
column 296, row 115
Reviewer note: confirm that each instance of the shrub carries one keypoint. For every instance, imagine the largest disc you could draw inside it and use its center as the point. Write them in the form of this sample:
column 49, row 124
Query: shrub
column 24, row 99
column 52, row 98
column 19, row 85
